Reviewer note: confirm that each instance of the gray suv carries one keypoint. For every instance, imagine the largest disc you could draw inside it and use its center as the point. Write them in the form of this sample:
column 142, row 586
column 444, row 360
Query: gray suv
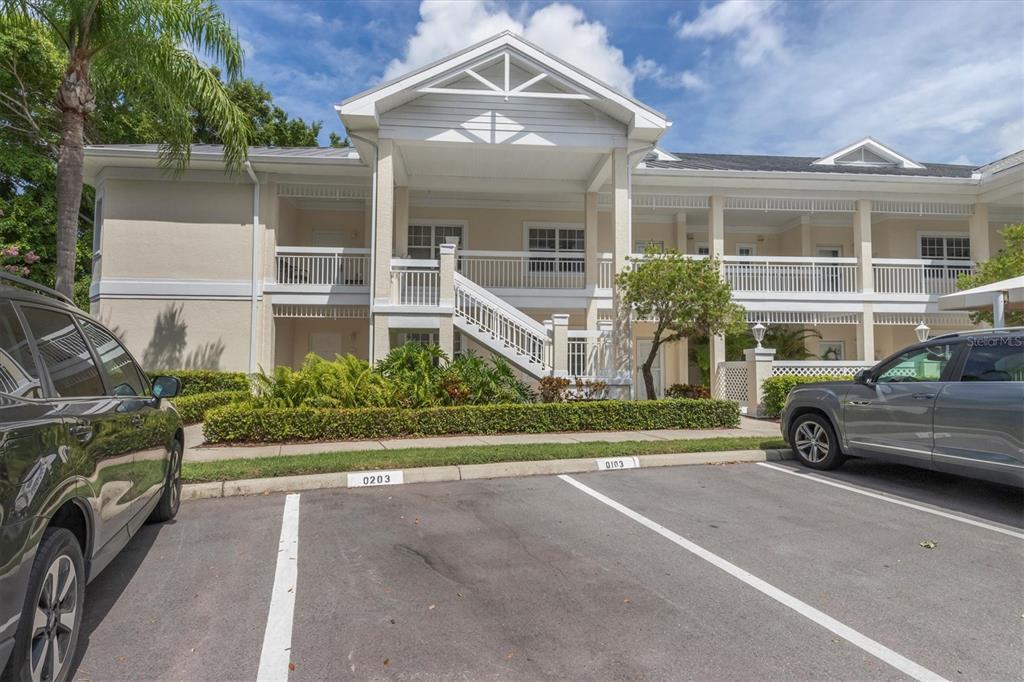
column 953, row 403
column 89, row 451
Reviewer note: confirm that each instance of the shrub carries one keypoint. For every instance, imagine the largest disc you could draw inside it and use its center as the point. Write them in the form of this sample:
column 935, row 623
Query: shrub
column 236, row 423
column 776, row 389
column 552, row 389
column 484, row 382
column 345, row 381
column 192, row 408
column 687, row 391
column 196, row 381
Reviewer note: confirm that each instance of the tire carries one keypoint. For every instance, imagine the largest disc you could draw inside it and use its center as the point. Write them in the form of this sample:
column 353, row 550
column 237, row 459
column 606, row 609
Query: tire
column 170, row 498
column 814, row 442
column 51, row 618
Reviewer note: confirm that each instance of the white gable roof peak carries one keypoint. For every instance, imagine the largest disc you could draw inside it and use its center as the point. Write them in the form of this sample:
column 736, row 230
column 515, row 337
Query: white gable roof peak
column 362, row 111
column 867, row 152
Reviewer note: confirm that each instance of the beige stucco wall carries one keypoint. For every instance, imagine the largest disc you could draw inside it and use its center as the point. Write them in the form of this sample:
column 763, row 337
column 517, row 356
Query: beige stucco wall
column 492, row 229
column 297, row 226
column 185, row 334
column 294, row 338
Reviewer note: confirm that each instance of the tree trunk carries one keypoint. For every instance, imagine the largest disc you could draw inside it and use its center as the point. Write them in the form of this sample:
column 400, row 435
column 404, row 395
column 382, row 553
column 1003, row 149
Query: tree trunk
column 647, row 369
column 76, row 101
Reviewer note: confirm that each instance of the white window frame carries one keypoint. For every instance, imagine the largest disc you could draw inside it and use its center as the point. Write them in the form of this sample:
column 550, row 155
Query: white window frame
column 557, row 253
column 819, row 247
column 433, row 223
column 746, row 245
column 944, row 235
column 841, row 345
column 701, row 245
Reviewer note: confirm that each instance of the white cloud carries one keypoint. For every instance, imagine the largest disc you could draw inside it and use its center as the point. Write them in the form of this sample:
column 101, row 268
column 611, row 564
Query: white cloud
column 752, row 21
column 563, row 30
column 648, row 69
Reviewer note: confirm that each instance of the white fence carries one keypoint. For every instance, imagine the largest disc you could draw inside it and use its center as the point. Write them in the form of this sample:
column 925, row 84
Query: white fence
column 590, row 354
column 732, row 381
column 322, row 266
column 413, row 286
column 784, row 274
column 523, row 269
column 808, row 368
column 918, row 276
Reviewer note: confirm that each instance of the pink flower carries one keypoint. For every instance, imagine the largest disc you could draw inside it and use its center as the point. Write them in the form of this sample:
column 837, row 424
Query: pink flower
column 31, row 257
column 11, row 251
column 24, row 272
column 13, row 269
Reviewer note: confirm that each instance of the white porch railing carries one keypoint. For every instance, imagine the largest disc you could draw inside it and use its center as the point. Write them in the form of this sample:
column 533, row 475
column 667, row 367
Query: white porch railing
column 324, row 266
column 918, row 276
column 523, row 269
column 505, row 324
column 769, row 274
column 605, row 271
column 590, row 353
column 415, row 282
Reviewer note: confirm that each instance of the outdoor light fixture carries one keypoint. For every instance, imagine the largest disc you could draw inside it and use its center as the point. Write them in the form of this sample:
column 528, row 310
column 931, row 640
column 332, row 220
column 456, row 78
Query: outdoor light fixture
column 922, row 331
column 758, row 331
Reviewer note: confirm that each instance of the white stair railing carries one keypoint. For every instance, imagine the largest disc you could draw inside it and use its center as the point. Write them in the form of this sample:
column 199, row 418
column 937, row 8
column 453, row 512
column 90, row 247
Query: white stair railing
column 505, row 324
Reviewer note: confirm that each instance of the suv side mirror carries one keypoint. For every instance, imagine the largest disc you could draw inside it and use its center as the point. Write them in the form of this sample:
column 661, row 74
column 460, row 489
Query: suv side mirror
column 166, row 387
column 863, row 377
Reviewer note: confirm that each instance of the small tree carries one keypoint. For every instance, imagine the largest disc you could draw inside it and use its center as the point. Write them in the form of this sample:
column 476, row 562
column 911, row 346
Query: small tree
column 682, row 297
column 1007, row 263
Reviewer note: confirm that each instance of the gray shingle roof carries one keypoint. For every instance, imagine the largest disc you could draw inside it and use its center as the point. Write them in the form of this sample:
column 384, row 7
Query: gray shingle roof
column 254, row 152
column 798, row 164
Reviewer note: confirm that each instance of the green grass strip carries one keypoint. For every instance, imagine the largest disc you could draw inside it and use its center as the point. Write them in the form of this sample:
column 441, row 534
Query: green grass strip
column 407, row 458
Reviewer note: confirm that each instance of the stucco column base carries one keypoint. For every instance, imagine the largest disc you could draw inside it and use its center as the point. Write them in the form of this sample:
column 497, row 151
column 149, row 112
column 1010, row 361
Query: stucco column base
column 759, row 368
column 381, row 337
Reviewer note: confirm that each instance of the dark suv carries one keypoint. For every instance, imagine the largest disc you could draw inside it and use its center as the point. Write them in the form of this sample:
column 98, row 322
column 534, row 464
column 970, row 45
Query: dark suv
column 89, row 450
column 953, row 403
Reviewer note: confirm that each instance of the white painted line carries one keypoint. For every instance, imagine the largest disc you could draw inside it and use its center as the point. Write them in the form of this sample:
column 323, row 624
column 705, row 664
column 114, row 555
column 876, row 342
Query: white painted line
column 883, row 653
column 362, row 479
column 616, row 463
column 896, row 500
column 277, row 639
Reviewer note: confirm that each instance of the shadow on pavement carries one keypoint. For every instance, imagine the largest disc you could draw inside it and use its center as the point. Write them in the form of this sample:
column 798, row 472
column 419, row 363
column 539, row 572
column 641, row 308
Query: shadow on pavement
column 990, row 501
column 102, row 593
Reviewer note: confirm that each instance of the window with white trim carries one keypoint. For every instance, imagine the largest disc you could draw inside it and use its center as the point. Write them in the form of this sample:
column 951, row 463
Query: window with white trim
column 428, row 338
column 703, row 250
column 425, row 239
column 746, row 250
column 564, row 244
column 941, row 247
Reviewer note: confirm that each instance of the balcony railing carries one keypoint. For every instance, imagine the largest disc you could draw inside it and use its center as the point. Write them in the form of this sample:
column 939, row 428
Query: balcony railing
column 415, row 282
column 786, row 274
column 523, row 269
column 918, row 276
column 322, row 266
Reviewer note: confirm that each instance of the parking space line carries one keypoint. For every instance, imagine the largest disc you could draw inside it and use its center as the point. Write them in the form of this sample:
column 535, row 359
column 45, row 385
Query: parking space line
column 879, row 651
column 895, row 500
column 277, row 639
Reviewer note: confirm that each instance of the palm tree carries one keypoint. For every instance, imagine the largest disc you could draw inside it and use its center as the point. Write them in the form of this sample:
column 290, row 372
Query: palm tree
column 145, row 47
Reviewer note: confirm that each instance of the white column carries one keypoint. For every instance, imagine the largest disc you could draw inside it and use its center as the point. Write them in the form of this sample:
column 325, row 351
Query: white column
column 621, row 208
column 590, row 263
column 979, row 233
column 560, row 344
column 862, row 245
column 401, row 246
column 681, row 233
column 866, row 334
column 381, row 337
column 806, row 243
column 385, row 222
column 759, row 368
column 716, row 247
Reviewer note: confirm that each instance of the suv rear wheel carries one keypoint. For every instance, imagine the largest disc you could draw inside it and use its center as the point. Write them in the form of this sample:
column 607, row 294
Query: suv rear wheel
column 814, row 442
column 170, row 499
column 47, row 634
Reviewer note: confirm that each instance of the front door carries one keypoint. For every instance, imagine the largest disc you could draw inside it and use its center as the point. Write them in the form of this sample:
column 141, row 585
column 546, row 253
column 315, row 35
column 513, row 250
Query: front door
column 892, row 415
column 643, row 349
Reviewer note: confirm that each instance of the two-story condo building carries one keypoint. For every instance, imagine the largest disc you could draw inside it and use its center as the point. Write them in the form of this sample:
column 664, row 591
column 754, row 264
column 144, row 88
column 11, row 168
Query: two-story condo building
column 488, row 200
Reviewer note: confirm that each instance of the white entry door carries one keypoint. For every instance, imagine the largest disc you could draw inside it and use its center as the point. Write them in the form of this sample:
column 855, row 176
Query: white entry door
column 643, row 349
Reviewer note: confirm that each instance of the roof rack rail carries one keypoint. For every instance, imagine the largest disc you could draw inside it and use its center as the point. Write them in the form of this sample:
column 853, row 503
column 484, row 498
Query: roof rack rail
column 28, row 284
column 987, row 330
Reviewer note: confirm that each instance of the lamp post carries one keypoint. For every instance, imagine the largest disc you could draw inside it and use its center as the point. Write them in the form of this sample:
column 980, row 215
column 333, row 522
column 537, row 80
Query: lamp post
column 758, row 331
column 922, row 331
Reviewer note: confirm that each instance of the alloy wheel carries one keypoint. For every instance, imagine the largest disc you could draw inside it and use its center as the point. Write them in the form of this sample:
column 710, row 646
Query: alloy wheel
column 812, row 441
column 53, row 627
column 175, row 478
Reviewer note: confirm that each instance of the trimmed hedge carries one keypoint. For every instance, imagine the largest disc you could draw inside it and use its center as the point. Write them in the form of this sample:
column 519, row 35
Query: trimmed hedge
column 192, row 408
column 242, row 423
column 776, row 389
column 196, row 381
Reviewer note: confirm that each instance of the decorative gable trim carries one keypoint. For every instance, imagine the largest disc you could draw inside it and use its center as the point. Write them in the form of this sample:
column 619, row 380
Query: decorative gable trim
column 867, row 152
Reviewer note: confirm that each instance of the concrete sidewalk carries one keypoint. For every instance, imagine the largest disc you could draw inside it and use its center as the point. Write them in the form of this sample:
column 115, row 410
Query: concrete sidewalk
column 194, row 438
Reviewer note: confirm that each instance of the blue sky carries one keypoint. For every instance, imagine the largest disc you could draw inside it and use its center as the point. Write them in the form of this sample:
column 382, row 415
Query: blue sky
column 938, row 81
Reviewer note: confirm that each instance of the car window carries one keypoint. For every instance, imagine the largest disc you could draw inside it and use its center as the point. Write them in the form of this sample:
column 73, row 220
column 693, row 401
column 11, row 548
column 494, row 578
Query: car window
column 994, row 359
column 919, row 364
column 64, row 352
column 124, row 376
column 18, row 374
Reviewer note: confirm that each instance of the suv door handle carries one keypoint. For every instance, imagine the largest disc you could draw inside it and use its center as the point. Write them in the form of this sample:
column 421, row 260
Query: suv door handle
column 860, row 402
column 923, row 396
column 82, row 432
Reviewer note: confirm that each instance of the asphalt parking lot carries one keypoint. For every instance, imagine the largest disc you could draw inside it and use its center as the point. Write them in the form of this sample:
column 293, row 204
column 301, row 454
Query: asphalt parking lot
column 739, row 572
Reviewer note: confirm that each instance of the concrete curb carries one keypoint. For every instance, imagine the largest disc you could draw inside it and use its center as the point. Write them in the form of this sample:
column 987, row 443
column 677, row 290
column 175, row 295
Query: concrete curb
column 465, row 472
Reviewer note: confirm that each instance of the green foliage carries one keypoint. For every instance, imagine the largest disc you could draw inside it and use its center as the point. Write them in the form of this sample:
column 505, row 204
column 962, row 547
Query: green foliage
column 201, row 381
column 776, row 389
column 192, row 408
column 345, row 381
column 484, row 382
column 414, row 371
column 789, row 344
column 1007, row 263
column 247, row 424
column 687, row 391
column 683, row 297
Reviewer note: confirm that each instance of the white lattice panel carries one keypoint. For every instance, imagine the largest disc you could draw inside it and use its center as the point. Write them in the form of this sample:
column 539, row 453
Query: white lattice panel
column 811, row 368
column 330, row 312
column 732, row 381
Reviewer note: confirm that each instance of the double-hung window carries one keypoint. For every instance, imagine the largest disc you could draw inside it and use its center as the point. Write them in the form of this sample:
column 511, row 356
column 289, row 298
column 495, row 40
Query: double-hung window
column 555, row 248
column 947, row 248
column 425, row 238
